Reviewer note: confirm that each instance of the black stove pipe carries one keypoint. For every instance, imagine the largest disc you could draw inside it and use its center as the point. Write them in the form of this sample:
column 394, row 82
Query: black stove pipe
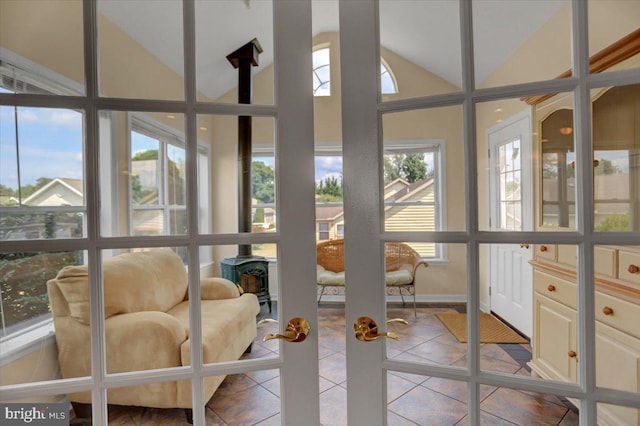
column 243, row 59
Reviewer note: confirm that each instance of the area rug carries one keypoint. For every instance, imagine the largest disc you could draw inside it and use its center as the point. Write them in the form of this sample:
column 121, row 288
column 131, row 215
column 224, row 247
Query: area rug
column 492, row 330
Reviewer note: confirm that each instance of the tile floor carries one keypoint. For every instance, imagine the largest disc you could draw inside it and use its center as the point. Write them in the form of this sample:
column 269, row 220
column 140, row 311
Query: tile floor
column 253, row 398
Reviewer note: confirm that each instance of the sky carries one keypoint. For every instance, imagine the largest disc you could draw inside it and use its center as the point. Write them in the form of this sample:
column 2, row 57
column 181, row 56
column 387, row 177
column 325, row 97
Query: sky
column 50, row 144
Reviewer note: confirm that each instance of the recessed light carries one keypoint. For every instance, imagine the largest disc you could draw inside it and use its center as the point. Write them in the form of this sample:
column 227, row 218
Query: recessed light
column 171, row 116
column 498, row 110
column 203, row 128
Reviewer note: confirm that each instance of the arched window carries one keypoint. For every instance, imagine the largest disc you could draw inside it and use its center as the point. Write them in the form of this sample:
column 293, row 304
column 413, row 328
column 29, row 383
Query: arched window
column 322, row 78
column 387, row 82
column 321, row 75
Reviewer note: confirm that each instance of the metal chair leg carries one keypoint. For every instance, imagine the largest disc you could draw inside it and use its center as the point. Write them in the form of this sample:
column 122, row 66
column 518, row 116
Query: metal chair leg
column 415, row 309
column 321, row 294
column 401, row 295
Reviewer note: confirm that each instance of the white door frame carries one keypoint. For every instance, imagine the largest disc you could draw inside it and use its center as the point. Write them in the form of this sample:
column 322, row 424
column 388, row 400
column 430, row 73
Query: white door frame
column 518, row 127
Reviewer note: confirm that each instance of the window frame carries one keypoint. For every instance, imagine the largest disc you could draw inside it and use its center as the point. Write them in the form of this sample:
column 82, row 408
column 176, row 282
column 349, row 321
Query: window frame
column 36, row 331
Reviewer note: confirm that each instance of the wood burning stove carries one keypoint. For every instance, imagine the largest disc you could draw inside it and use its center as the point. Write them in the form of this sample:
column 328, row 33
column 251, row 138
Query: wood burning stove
column 249, row 273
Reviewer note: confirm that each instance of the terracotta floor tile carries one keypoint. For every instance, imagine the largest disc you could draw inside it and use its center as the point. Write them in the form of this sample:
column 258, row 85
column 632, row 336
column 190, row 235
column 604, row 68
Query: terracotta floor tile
column 438, row 352
column 487, row 419
column 271, row 421
column 263, row 375
column 333, row 407
column 456, row 389
column 521, row 408
column 272, row 386
column 246, row 407
column 333, row 368
column 426, row 407
column 397, row 386
column 395, row 420
column 212, row 419
column 570, row 419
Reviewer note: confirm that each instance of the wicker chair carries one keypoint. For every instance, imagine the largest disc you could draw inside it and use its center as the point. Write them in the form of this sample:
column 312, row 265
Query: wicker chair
column 401, row 264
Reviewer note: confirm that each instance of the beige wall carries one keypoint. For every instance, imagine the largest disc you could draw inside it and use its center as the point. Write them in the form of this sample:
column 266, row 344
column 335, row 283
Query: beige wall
column 36, row 366
column 545, row 55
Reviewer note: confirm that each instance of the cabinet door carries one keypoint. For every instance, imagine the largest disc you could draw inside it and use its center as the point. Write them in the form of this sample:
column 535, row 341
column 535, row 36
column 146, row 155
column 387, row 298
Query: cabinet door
column 555, row 341
column 617, row 367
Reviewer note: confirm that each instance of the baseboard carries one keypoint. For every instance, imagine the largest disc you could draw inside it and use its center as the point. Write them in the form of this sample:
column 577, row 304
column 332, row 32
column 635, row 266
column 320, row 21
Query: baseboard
column 484, row 307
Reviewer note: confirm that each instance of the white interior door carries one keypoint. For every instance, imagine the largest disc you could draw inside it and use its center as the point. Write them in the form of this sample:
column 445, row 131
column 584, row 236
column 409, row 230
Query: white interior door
column 511, row 279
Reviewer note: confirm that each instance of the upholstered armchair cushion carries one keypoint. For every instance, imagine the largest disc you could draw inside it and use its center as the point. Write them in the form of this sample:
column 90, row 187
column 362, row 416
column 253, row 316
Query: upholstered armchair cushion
column 216, row 288
column 130, row 338
column 152, row 281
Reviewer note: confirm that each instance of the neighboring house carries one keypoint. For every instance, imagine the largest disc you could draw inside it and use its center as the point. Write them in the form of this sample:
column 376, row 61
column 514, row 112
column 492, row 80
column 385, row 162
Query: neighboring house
column 58, row 192
column 408, row 207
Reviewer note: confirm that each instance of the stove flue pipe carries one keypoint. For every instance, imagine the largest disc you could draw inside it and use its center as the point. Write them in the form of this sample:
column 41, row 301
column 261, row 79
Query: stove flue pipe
column 243, row 59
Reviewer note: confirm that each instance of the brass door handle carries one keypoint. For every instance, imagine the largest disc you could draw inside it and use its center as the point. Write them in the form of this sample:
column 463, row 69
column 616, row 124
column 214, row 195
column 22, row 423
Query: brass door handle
column 366, row 329
column 524, row 246
column 297, row 330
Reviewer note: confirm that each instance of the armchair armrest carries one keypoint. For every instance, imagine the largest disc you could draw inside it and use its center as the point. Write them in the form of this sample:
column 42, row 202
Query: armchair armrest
column 143, row 341
column 216, row 288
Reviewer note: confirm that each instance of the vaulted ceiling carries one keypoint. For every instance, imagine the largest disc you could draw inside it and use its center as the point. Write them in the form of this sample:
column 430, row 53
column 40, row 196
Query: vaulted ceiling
column 426, row 33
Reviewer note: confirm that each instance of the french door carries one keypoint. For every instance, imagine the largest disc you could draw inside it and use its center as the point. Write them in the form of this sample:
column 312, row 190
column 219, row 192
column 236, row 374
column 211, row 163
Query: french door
column 116, row 75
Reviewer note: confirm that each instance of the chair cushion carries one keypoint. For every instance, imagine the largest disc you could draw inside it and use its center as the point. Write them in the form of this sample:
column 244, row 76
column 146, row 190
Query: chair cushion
column 399, row 277
column 331, row 278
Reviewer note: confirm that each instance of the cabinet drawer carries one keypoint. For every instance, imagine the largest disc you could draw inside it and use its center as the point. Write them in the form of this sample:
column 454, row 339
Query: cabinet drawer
column 605, row 261
column 618, row 313
column 567, row 255
column 555, row 288
column 546, row 252
column 629, row 266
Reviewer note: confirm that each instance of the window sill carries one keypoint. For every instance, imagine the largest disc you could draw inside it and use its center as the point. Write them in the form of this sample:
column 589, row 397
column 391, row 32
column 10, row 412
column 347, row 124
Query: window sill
column 26, row 341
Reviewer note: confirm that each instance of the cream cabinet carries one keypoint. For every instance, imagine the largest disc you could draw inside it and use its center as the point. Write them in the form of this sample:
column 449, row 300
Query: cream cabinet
column 555, row 352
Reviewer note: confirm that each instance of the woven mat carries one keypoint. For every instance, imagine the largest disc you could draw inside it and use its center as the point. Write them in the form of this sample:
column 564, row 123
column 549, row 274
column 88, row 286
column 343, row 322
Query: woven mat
column 491, row 329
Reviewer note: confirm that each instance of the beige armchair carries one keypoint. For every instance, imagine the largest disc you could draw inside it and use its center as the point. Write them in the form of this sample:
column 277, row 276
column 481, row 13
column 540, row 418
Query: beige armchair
column 147, row 326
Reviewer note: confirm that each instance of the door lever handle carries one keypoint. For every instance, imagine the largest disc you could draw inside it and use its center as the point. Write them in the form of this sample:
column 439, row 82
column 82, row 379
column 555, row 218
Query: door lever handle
column 366, row 329
column 297, row 330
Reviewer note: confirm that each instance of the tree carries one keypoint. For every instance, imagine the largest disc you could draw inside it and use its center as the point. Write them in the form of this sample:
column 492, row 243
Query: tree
column 149, row 154
column 410, row 167
column 263, row 182
column 27, row 190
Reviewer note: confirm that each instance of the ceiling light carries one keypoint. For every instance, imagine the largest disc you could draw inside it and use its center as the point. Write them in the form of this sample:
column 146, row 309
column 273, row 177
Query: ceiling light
column 171, row 116
column 498, row 110
column 566, row 130
column 545, row 140
column 203, row 128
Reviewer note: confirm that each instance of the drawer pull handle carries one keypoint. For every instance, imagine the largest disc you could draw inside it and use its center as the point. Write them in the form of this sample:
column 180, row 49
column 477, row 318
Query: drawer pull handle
column 633, row 269
column 572, row 354
column 551, row 287
column 607, row 310
column 543, row 248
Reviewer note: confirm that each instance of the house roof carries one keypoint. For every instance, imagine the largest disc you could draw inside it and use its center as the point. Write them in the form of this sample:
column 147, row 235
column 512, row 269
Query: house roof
column 75, row 185
column 328, row 212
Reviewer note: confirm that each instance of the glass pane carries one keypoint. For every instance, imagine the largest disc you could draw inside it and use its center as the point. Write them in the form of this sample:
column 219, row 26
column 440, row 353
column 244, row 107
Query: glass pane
column 617, row 414
column 144, row 194
column 553, row 121
column 154, row 329
column 140, row 51
column 425, row 400
column 612, row 28
column 47, row 36
column 35, row 314
column 506, row 146
column 617, row 285
column 427, row 338
column 412, row 48
column 223, row 209
column 217, row 71
column 422, row 159
column 528, row 408
column 510, row 38
column 615, row 159
column 41, row 173
column 246, row 399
